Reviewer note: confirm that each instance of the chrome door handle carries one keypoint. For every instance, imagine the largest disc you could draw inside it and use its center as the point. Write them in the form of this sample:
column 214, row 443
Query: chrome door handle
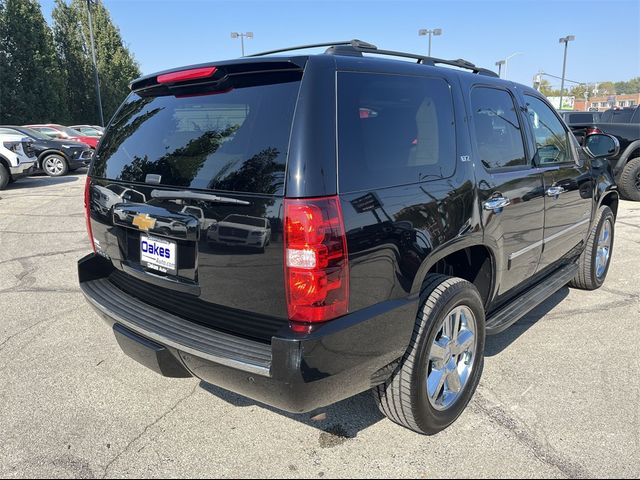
column 555, row 191
column 496, row 203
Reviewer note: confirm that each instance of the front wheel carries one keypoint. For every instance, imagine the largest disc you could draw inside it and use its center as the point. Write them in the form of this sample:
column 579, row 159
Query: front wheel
column 594, row 262
column 629, row 181
column 442, row 367
column 55, row 165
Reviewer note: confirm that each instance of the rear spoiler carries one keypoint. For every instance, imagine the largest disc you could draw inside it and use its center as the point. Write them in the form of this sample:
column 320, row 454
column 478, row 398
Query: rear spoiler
column 214, row 76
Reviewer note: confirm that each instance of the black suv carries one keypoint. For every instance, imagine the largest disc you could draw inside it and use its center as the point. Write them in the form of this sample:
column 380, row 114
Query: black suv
column 411, row 210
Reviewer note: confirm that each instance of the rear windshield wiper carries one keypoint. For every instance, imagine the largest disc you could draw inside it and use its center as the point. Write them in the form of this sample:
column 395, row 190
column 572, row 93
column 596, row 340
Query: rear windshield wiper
column 189, row 195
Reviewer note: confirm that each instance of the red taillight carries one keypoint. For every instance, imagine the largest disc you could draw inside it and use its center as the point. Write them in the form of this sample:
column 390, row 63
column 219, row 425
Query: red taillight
column 183, row 75
column 593, row 131
column 87, row 211
column 316, row 262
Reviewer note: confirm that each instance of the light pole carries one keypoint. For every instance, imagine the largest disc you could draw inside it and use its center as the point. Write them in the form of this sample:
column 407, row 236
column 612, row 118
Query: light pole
column 499, row 64
column 566, row 41
column 95, row 64
column 506, row 62
column 242, row 35
column 423, row 31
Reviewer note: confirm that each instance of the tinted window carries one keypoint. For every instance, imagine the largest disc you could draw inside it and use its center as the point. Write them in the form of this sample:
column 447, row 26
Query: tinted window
column 617, row 116
column 552, row 140
column 393, row 130
column 580, row 118
column 497, row 128
column 234, row 141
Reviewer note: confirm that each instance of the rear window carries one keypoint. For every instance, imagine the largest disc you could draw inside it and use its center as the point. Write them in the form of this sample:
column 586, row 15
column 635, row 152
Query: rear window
column 235, row 140
column 580, row 118
column 617, row 116
column 394, row 130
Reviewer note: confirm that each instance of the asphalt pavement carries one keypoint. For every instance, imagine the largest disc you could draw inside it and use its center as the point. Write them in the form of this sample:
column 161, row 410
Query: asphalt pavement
column 560, row 394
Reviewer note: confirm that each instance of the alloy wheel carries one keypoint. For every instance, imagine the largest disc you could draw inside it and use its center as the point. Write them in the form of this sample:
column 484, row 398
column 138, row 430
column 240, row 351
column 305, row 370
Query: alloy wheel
column 451, row 357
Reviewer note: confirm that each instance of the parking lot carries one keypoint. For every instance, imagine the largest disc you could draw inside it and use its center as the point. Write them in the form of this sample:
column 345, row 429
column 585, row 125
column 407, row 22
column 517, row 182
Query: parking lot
column 560, row 394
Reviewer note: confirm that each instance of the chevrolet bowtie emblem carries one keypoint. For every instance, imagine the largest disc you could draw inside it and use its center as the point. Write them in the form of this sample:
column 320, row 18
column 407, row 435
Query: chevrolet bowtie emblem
column 144, row 222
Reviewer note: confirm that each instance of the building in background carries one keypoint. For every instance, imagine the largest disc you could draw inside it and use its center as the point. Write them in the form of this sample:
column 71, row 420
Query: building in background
column 605, row 102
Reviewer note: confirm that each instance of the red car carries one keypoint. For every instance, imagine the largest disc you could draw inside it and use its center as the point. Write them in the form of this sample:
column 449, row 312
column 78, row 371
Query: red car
column 65, row 133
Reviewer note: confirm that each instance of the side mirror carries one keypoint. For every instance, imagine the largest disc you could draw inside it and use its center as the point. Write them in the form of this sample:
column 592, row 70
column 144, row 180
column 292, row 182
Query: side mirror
column 601, row 145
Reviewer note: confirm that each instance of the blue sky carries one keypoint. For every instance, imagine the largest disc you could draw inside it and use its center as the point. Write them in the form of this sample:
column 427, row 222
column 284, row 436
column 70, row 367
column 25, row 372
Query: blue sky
column 169, row 33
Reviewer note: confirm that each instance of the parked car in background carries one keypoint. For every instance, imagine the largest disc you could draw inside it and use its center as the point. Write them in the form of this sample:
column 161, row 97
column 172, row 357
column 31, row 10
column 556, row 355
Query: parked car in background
column 624, row 124
column 620, row 115
column 419, row 209
column 17, row 158
column 242, row 231
column 88, row 130
column 54, row 157
column 61, row 132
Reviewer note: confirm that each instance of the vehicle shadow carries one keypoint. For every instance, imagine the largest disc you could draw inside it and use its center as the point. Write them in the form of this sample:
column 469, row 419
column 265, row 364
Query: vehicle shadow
column 42, row 180
column 497, row 343
column 337, row 422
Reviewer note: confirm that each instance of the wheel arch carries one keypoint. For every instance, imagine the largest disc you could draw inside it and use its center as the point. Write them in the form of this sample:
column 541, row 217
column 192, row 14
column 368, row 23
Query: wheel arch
column 4, row 162
column 632, row 151
column 611, row 199
column 49, row 152
column 472, row 261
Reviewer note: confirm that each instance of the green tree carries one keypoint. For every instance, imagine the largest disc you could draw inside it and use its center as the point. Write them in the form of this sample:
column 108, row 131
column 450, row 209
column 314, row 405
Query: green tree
column 547, row 90
column 78, row 92
column 630, row 86
column 30, row 78
column 116, row 65
column 578, row 91
column 606, row 88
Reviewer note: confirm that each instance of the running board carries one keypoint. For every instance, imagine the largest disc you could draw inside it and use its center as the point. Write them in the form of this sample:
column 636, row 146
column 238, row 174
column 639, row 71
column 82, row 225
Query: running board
column 527, row 301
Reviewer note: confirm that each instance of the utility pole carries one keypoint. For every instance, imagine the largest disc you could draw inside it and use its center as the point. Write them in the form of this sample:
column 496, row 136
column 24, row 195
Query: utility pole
column 95, row 64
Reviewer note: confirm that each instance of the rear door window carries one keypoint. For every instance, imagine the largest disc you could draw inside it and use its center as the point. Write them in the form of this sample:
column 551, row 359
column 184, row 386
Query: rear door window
column 393, row 130
column 498, row 132
column 235, row 140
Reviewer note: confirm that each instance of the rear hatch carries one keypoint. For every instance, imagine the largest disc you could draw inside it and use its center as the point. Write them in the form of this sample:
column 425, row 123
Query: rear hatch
column 186, row 193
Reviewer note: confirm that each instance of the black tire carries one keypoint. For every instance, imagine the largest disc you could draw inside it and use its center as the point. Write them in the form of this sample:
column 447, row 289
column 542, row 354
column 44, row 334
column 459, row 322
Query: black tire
column 5, row 177
column 403, row 397
column 587, row 277
column 54, row 165
column 629, row 180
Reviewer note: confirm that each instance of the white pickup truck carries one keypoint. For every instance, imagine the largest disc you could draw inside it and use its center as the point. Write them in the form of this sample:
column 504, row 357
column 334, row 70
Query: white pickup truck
column 17, row 158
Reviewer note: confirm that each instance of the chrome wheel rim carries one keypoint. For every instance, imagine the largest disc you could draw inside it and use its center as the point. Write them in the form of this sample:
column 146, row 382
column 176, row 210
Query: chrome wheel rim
column 451, row 357
column 603, row 252
column 54, row 165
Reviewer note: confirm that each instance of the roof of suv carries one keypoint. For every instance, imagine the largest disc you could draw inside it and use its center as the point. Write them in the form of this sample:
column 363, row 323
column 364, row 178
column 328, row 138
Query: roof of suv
column 341, row 51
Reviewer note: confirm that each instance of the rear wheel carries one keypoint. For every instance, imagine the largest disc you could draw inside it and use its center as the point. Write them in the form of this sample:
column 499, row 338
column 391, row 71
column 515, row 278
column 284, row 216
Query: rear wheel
column 442, row 367
column 55, row 165
column 629, row 181
column 594, row 262
column 5, row 177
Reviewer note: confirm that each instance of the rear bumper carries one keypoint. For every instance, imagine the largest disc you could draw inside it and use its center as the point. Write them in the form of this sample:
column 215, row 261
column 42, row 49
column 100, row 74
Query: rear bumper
column 296, row 373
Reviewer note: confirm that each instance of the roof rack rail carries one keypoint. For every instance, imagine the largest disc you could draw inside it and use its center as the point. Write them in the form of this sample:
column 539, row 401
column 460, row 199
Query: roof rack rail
column 355, row 46
column 352, row 43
